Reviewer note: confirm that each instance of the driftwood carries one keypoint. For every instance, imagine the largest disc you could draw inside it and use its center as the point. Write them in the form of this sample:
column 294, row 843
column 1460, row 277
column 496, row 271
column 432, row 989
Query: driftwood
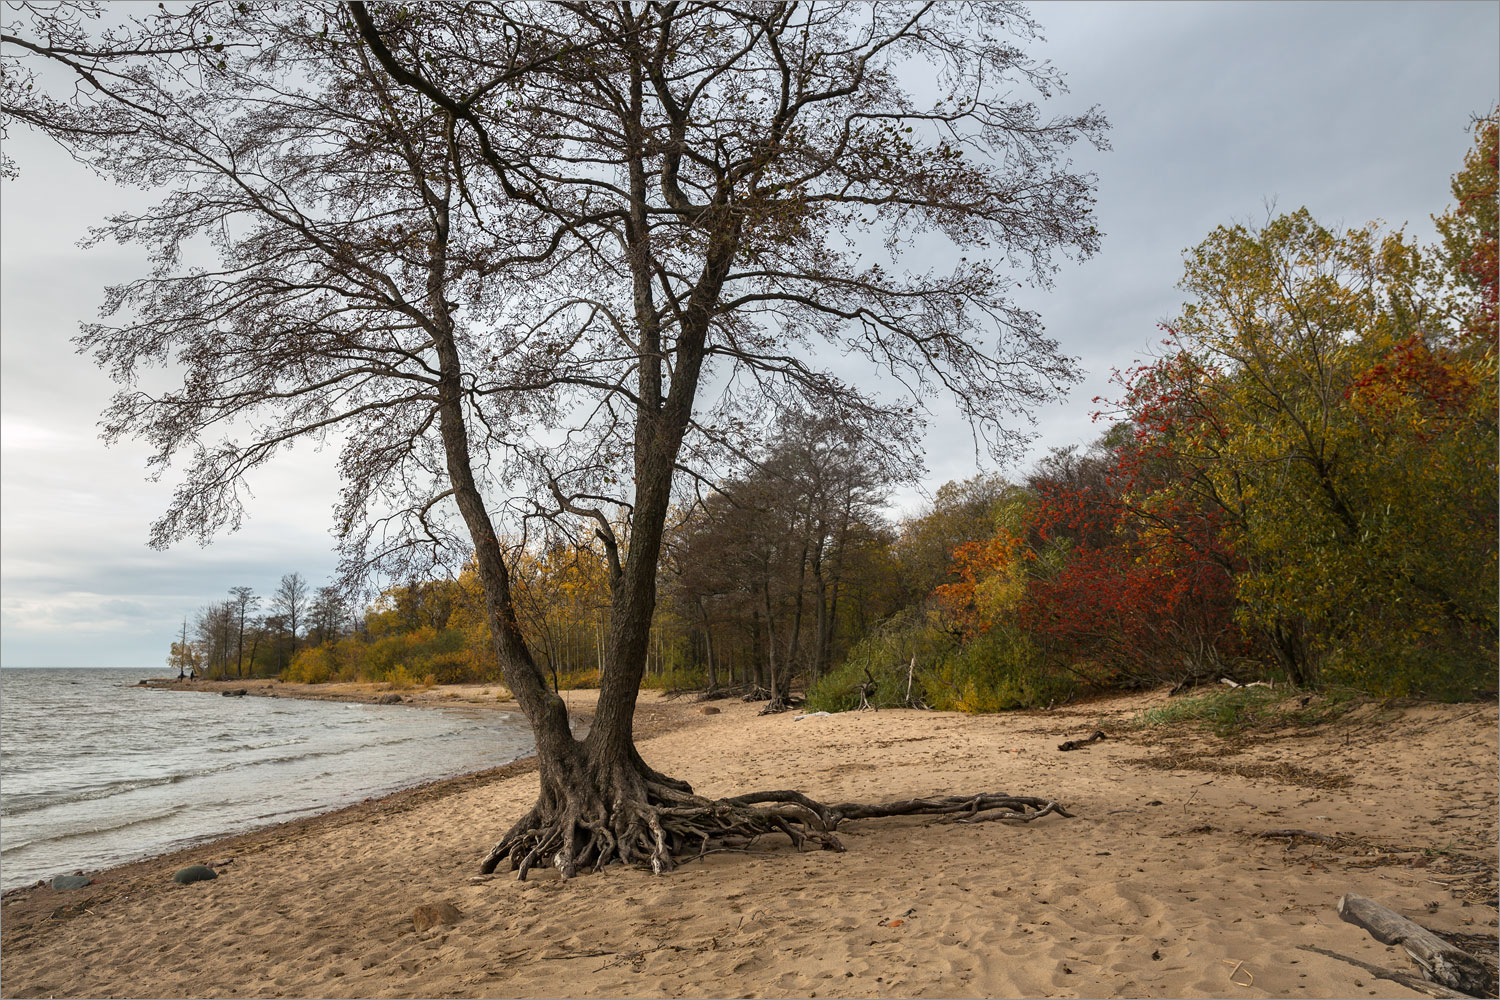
column 1439, row 961
column 1080, row 744
column 913, row 701
column 1305, row 834
column 1410, row 982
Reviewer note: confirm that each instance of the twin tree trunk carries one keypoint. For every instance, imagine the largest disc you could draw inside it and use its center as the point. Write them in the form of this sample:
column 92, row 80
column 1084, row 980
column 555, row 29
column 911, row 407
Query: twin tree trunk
column 600, row 803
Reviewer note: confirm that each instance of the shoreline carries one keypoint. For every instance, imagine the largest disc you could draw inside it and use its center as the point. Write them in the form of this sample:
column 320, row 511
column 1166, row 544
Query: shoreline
column 1163, row 875
column 652, row 719
column 494, row 695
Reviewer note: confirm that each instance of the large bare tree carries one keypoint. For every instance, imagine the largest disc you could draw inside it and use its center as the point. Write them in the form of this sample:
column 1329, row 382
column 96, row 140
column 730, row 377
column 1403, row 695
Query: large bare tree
column 535, row 265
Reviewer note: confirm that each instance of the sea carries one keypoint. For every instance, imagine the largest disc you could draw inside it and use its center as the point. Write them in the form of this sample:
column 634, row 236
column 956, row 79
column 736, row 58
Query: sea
column 96, row 770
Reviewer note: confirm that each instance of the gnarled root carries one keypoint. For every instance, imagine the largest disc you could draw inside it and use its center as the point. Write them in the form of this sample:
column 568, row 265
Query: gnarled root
column 646, row 819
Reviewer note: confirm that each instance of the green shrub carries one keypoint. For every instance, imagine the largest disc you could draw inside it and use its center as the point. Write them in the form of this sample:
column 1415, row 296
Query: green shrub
column 586, row 677
column 399, row 678
column 315, row 665
column 885, row 654
column 1443, row 667
column 997, row 671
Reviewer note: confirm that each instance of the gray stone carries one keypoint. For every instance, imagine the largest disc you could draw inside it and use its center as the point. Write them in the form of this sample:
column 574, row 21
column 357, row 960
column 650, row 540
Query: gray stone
column 236, row 693
column 71, row 881
column 389, row 699
column 194, row 873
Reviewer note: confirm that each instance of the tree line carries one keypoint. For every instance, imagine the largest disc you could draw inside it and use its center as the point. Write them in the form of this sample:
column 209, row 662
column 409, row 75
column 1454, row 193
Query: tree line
column 1302, row 487
column 250, row 635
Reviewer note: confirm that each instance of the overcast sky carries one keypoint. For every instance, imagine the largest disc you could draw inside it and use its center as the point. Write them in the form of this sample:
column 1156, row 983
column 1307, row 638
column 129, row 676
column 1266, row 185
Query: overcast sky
column 1357, row 111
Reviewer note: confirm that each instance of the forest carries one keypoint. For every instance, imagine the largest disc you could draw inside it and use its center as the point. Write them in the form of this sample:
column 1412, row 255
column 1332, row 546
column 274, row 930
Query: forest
column 1299, row 487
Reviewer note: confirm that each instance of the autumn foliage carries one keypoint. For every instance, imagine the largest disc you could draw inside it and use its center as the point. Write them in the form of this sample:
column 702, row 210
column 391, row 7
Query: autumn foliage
column 1302, row 486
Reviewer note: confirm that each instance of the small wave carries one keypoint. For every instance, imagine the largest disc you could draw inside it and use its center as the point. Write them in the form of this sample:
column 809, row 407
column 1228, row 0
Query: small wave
column 40, row 801
column 241, row 747
column 20, row 804
column 90, row 831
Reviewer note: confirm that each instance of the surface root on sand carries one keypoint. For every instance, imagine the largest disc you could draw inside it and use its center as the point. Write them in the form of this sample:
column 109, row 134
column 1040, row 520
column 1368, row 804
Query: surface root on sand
column 657, row 823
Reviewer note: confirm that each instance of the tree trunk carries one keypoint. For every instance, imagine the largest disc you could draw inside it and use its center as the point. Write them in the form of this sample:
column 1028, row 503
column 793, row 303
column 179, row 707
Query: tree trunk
column 708, row 646
column 781, row 686
column 1289, row 643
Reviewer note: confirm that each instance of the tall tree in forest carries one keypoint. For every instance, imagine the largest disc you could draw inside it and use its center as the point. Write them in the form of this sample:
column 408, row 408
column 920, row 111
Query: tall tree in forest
column 537, row 264
column 244, row 601
column 326, row 615
column 290, row 602
column 777, row 537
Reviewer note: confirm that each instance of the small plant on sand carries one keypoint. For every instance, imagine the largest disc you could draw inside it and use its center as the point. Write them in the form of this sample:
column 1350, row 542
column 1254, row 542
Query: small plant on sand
column 1239, row 709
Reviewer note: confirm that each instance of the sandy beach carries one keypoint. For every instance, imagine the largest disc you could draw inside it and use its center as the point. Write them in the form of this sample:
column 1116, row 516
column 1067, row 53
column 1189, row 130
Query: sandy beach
column 1160, row 885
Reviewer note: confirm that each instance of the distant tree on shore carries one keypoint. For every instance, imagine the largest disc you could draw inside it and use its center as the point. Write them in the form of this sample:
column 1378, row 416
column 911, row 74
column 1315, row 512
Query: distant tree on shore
column 244, row 601
column 182, row 655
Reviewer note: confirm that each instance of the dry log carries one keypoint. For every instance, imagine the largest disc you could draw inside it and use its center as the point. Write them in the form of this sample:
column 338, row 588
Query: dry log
column 1439, row 961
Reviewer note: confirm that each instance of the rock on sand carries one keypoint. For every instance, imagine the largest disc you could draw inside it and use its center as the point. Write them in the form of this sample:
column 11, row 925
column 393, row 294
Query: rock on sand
column 194, row 873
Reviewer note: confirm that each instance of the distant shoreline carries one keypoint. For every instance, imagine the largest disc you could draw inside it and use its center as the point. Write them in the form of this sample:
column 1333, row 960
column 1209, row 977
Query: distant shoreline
column 493, row 696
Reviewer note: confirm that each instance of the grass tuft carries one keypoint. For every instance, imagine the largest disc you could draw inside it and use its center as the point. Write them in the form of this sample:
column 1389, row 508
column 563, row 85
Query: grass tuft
column 1236, row 710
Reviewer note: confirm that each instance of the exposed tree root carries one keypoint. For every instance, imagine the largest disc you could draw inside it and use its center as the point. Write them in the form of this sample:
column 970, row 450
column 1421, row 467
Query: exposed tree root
column 656, row 823
column 780, row 704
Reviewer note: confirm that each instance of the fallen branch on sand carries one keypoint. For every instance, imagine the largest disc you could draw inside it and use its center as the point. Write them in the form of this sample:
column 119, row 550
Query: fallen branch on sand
column 1293, row 834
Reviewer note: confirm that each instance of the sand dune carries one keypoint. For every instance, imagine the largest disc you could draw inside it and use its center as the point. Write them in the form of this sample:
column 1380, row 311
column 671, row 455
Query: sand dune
column 1157, row 887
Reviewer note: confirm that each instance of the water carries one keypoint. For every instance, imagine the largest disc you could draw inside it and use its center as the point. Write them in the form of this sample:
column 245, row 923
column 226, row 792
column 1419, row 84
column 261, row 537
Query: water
column 96, row 771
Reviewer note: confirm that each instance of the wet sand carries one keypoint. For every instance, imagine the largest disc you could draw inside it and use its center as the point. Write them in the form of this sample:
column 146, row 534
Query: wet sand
column 1160, row 885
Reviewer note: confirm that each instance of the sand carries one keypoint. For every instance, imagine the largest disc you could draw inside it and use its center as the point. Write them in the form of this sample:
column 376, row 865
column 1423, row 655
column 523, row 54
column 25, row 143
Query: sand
column 1158, row 886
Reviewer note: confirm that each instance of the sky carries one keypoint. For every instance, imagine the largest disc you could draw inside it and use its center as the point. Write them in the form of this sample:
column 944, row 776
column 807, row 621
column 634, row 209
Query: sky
column 1220, row 113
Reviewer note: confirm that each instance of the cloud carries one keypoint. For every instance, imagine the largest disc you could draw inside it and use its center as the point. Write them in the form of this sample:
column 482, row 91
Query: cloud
column 1356, row 110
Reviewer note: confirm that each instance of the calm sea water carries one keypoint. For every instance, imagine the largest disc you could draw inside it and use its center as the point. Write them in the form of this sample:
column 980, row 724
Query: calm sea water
column 96, row 771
